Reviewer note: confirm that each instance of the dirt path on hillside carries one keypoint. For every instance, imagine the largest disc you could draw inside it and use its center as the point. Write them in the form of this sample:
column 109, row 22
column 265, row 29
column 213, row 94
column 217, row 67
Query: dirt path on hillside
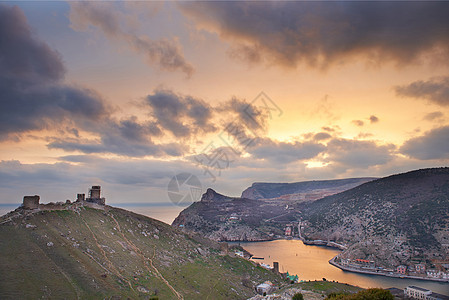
column 146, row 259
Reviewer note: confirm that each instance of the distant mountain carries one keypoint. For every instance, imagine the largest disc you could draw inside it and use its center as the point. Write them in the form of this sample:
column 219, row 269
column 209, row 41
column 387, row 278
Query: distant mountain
column 393, row 220
column 261, row 213
column 77, row 252
column 305, row 190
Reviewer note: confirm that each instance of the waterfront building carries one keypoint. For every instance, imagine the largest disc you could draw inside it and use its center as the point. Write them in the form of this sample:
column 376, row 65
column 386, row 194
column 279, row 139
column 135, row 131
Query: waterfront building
column 420, row 268
column 401, row 269
column 416, row 292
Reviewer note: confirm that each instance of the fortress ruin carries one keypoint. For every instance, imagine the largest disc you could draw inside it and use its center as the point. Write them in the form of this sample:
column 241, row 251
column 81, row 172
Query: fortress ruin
column 32, row 202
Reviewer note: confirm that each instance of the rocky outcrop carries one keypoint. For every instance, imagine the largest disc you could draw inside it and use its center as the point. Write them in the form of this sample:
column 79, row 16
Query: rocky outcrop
column 211, row 195
column 222, row 218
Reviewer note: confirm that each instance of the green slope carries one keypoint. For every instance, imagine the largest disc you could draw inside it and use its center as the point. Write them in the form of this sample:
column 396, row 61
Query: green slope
column 96, row 254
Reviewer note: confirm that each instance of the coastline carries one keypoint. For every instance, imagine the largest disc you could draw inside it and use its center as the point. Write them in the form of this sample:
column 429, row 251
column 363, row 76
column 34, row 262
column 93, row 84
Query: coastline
column 348, row 269
column 333, row 245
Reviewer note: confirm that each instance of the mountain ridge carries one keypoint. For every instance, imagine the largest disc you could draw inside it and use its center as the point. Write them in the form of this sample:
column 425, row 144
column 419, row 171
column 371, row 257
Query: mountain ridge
column 302, row 190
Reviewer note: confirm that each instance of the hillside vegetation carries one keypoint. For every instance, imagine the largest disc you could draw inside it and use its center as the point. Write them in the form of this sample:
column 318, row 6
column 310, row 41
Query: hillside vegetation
column 97, row 254
column 391, row 220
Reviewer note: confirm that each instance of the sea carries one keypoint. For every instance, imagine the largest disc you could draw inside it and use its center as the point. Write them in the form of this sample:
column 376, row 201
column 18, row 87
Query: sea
column 309, row 262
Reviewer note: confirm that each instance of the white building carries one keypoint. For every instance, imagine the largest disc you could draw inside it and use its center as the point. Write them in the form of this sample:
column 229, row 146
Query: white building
column 416, row 292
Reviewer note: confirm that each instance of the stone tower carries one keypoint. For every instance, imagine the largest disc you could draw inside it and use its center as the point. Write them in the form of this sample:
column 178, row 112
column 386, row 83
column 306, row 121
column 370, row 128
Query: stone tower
column 95, row 195
column 31, row 202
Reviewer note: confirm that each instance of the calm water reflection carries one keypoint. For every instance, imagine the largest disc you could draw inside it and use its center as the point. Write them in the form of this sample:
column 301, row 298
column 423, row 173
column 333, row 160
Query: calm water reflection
column 311, row 262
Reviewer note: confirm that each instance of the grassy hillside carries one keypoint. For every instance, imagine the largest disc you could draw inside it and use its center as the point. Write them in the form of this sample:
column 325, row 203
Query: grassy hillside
column 96, row 254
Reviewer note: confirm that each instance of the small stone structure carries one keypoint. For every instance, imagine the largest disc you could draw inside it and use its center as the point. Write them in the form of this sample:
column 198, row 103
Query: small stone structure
column 265, row 288
column 80, row 197
column 31, row 202
column 276, row 267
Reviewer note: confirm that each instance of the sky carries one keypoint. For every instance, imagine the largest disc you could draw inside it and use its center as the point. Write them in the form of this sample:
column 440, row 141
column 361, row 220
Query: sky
column 133, row 96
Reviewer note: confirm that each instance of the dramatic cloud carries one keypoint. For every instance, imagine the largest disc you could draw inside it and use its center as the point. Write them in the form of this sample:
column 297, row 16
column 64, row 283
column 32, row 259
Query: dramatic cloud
column 182, row 116
column 435, row 90
column 284, row 152
column 167, row 54
column 433, row 116
column 434, row 144
column 125, row 137
column 32, row 95
column 358, row 154
column 171, row 115
column 373, row 119
column 322, row 33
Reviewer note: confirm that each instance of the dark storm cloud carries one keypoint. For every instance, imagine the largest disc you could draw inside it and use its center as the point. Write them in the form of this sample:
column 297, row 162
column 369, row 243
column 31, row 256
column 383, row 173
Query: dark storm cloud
column 373, row 119
column 182, row 116
column 434, row 144
column 165, row 53
column 23, row 56
column 32, row 95
column 358, row 154
column 322, row 33
column 435, row 90
column 433, row 116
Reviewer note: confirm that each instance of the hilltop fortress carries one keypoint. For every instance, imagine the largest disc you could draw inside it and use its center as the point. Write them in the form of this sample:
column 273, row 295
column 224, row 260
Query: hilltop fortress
column 31, row 203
